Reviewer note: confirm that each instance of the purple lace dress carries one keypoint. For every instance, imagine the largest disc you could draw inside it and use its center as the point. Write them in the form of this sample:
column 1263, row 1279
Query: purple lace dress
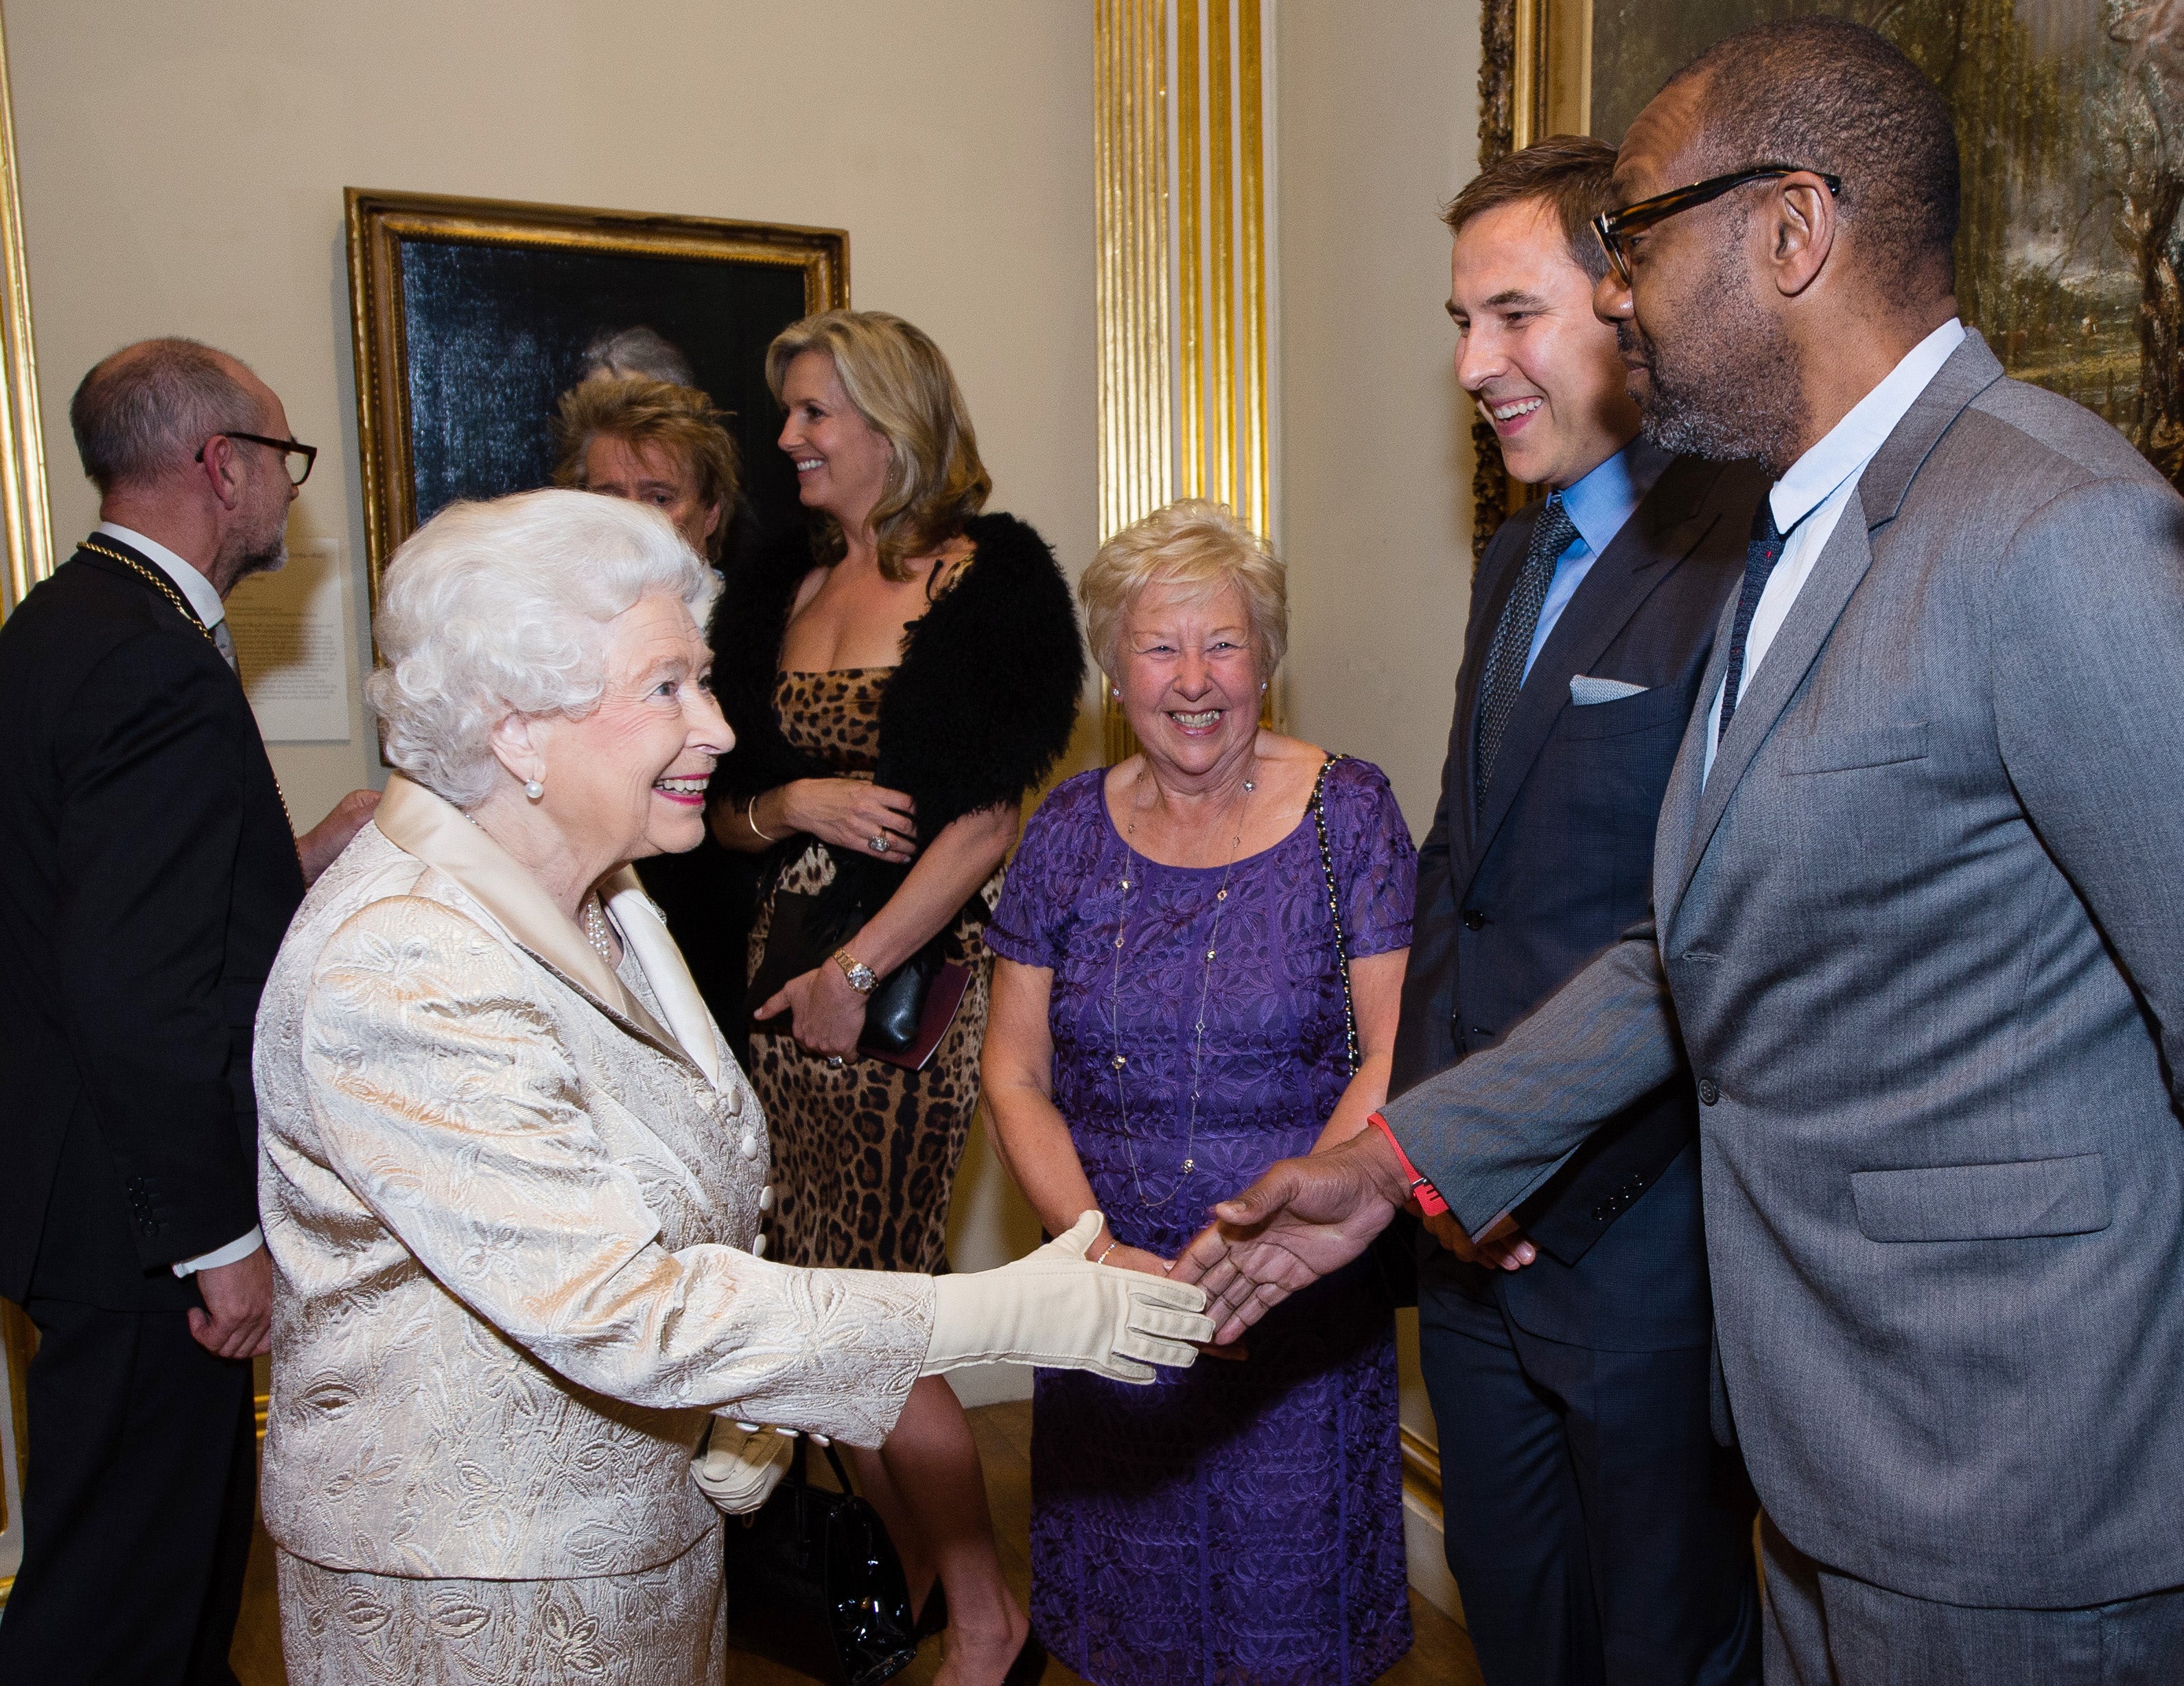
column 1231, row 1523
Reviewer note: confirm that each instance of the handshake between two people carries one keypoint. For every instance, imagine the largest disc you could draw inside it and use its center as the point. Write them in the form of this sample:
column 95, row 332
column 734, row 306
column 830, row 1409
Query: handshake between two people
column 1306, row 1217
column 1053, row 1307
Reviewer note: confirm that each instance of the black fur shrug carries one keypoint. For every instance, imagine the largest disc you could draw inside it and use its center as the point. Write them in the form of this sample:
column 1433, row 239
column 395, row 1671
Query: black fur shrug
column 980, row 706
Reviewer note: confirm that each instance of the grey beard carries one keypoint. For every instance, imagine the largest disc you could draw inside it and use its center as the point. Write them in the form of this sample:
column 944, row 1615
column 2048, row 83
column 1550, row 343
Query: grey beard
column 1732, row 392
column 265, row 559
column 1680, row 419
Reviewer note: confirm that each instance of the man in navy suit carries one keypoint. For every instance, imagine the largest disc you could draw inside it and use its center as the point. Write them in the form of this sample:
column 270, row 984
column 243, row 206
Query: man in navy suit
column 1596, row 1531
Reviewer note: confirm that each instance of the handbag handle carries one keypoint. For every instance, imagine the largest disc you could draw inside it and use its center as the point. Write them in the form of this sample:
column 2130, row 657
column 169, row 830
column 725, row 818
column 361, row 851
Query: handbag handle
column 797, row 1473
column 1334, row 912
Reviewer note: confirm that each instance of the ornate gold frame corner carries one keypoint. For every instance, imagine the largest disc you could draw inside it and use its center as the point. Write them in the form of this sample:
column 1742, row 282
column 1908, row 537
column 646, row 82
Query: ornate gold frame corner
column 379, row 222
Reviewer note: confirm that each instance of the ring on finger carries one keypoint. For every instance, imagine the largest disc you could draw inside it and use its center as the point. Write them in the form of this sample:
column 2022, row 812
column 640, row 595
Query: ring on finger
column 879, row 844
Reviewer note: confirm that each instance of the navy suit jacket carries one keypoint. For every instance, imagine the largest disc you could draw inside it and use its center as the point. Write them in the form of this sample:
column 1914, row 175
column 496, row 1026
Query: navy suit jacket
column 1516, row 894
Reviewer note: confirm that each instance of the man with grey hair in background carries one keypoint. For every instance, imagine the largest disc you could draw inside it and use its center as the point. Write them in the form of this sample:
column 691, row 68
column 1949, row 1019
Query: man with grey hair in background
column 148, row 872
column 1917, row 906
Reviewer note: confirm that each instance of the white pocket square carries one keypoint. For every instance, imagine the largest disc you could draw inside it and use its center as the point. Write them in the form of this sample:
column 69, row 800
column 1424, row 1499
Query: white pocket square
column 1585, row 689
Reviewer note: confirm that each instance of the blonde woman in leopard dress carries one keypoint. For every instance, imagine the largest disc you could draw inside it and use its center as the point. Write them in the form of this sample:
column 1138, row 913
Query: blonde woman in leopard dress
column 896, row 686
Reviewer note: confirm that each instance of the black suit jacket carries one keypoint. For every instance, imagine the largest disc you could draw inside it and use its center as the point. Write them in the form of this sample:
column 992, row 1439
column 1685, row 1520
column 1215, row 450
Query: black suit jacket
column 1516, row 894
column 148, row 873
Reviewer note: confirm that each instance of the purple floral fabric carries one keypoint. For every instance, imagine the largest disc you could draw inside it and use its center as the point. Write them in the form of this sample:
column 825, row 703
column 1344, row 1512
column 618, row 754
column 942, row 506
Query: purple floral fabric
column 1231, row 1523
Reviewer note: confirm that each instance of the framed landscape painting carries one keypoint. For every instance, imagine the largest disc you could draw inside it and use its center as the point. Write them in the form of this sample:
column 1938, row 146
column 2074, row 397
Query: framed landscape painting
column 2069, row 117
column 472, row 317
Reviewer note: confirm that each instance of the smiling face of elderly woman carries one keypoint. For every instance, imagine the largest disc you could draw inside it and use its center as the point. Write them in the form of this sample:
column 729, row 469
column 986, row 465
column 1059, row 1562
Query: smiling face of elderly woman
column 1190, row 674
column 627, row 778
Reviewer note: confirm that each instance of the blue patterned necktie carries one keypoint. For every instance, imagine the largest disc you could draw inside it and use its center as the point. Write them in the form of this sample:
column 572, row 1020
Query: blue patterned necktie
column 1504, row 676
column 1760, row 556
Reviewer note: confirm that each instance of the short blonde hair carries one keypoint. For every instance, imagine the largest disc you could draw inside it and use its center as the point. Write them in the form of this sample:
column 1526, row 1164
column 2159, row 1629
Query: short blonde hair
column 1196, row 544
column 903, row 386
column 641, row 412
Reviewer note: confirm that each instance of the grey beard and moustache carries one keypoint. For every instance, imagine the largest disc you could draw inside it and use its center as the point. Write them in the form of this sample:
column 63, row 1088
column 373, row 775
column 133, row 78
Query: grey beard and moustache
column 269, row 556
column 1730, row 390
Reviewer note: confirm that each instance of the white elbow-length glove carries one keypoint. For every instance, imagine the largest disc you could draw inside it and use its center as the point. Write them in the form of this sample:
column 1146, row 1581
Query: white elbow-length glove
column 1055, row 1308
column 739, row 1467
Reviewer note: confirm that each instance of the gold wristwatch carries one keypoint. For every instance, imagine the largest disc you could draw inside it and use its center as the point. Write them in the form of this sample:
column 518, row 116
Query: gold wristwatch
column 861, row 977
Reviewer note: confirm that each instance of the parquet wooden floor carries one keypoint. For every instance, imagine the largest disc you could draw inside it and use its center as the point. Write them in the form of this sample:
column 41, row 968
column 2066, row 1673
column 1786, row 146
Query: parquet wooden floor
column 1441, row 1657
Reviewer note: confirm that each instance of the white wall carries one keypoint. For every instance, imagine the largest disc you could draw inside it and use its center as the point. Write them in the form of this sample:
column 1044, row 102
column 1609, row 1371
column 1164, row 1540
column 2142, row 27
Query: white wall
column 1378, row 112
column 182, row 169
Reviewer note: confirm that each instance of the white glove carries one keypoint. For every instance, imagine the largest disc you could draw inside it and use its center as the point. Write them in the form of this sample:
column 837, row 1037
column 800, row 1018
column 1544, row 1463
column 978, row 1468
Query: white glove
column 739, row 1466
column 1055, row 1308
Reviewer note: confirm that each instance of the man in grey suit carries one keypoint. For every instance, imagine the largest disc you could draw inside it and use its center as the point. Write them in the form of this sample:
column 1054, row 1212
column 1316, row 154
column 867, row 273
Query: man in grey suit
column 1918, row 904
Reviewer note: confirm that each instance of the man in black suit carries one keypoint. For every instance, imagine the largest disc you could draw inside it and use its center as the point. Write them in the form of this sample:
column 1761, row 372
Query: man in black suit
column 1596, row 1530
column 148, row 873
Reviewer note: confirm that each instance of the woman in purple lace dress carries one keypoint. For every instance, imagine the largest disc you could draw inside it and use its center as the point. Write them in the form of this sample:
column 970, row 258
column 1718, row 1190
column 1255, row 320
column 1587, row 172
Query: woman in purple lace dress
column 1168, row 1018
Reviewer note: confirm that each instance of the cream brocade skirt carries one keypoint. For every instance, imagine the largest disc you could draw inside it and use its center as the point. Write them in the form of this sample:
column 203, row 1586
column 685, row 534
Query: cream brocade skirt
column 665, row 1625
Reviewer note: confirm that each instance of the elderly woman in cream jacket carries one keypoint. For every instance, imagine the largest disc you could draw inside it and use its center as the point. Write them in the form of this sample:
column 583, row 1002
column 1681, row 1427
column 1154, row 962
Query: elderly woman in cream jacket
column 511, row 1177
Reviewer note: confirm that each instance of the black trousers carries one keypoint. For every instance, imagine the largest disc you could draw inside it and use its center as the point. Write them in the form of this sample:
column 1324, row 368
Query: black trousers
column 140, row 1485
column 1598, row 1533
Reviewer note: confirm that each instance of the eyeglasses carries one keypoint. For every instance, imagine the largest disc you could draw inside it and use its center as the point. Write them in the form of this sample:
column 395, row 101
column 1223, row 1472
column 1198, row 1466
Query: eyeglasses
column 1615, row 228
column 287, row 448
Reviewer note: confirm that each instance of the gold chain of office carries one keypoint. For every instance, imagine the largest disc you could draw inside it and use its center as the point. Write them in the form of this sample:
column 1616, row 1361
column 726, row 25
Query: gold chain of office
column 167, row 590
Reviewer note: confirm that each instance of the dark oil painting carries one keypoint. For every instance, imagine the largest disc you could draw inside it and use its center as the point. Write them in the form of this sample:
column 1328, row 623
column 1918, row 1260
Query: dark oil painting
column 2069, row 116
column 496, row 333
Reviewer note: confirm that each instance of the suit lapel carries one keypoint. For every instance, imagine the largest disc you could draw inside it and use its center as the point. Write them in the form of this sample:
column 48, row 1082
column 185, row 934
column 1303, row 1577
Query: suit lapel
column 1664, row 529
column 1843, row 563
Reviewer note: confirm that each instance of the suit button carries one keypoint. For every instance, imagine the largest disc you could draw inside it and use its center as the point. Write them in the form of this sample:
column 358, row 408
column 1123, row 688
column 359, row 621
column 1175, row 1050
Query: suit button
column 1600, row 1215
column 1709, row 1090
column 1473, row 919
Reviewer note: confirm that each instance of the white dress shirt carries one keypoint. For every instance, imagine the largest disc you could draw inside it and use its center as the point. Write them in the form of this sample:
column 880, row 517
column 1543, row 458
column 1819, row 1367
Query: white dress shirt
column 196, row 591
column 1809, row 499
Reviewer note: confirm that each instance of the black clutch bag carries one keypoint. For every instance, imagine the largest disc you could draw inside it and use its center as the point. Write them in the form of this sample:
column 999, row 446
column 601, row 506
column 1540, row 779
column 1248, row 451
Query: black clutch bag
column 814, row 1585
column 908, row 1011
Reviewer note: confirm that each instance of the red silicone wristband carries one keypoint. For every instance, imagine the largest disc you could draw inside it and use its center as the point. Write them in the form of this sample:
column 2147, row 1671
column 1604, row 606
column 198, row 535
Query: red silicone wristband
column 1428, row 1197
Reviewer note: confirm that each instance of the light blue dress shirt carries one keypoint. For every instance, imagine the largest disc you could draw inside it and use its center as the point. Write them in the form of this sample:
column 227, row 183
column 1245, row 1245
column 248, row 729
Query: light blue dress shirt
column 1597, row 506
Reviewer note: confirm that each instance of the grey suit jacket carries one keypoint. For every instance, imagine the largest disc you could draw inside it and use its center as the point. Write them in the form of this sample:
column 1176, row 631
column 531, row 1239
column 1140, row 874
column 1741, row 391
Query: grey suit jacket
column 1923, row 931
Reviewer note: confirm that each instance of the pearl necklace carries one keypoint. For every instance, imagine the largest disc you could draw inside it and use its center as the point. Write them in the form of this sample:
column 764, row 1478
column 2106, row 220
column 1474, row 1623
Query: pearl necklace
column 595, row 928
column 1120, row 1061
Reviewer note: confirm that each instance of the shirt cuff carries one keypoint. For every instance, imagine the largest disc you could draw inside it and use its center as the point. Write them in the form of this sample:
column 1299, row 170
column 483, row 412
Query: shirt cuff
column 1427, row 1195
column 240, row 1248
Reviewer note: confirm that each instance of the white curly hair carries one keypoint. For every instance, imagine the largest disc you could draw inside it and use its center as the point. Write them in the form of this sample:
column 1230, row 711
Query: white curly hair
column 497, row 608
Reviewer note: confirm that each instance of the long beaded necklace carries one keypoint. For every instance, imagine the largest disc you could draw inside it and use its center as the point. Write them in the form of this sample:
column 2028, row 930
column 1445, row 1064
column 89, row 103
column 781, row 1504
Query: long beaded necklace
column 1133, row 872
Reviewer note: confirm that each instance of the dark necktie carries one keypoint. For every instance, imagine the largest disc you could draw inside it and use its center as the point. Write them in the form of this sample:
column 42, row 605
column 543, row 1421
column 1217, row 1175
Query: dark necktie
column 1504, row 675
column 1760, row 556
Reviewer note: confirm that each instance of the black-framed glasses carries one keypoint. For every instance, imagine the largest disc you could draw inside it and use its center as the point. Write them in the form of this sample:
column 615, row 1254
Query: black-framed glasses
column 1615, row 228
column 287, row 448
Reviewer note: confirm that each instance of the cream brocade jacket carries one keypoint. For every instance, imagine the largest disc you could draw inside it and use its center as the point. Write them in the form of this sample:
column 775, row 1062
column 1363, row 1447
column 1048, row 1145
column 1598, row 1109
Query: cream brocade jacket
column 509, row 1213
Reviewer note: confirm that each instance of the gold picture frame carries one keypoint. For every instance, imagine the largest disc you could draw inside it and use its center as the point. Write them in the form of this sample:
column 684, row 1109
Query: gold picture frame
column 462, row 301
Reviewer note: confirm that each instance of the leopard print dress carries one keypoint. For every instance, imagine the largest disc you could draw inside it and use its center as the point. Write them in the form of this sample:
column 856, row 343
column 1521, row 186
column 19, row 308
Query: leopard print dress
column 865, row 1153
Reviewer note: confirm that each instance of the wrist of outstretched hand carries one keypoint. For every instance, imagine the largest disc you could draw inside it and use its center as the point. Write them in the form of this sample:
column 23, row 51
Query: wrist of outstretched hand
column 1416, row 1185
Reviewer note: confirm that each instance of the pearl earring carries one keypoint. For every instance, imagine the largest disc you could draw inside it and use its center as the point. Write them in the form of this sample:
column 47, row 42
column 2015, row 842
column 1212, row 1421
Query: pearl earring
column 533, row 789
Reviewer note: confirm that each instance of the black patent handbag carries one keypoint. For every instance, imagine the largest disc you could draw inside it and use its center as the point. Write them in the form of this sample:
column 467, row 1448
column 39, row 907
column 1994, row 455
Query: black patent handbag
column 814, row 1585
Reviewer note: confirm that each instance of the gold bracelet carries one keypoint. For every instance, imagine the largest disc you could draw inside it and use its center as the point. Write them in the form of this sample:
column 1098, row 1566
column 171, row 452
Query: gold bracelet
column 750, row 819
